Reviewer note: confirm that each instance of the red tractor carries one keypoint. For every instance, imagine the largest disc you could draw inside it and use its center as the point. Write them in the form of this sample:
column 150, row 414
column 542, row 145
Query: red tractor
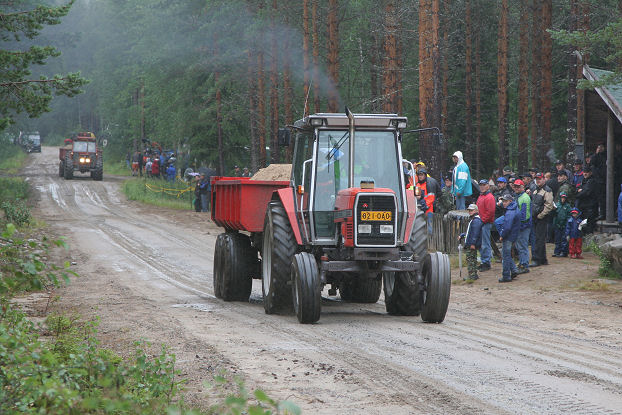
column 344, row 219
column 81, row 153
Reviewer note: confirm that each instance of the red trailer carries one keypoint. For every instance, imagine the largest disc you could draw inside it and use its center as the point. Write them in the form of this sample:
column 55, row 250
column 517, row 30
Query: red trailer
column 344, row 219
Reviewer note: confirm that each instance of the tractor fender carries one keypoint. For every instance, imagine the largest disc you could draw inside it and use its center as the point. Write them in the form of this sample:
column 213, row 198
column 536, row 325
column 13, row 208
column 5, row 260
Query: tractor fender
column 286, row 195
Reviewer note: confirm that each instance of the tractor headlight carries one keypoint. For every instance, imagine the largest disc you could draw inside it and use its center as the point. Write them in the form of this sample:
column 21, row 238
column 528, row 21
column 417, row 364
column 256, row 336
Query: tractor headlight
column 81, row 159
column 364, row 228
column 88, row 160
column 386, row 228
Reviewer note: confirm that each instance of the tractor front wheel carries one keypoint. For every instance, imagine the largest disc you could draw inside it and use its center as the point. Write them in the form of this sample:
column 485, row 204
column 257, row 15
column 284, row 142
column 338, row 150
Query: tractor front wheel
column 236, row 282
column 437, row 285
column 68, row 164
column 277, row 250
column 306, row 288
column 98, row 173
column 401, row 293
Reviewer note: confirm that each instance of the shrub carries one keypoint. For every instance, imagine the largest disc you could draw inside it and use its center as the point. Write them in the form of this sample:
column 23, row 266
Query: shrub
column 605, row 269
column 16, row 212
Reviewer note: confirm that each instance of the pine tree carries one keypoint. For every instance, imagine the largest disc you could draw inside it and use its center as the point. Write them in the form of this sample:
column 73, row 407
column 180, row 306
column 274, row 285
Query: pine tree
column 18, row 92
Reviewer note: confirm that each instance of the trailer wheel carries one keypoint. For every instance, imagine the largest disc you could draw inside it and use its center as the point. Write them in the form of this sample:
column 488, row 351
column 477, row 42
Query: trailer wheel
column 61, row 169
column 361, row 290
column 68, row 164
column 277, row 251
column 401, row 293
column 306, row 288
column 217, row 279
column 437, row 285
column 236, row 282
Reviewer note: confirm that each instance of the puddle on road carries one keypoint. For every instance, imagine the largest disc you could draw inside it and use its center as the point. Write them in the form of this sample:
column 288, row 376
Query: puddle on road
column 199, row 307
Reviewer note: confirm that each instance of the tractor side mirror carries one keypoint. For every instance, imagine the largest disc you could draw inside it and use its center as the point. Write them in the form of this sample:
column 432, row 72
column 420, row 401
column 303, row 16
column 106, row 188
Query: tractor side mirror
column 284, row 137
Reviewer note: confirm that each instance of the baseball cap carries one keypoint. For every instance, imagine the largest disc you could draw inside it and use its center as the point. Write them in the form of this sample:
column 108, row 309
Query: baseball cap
column 578, row 161
column 539, row 175
column 575, row 210
column 532, row 169
column 507, row 168
column 519, row 182
column 507, row 196
column 483, row 181
column 502, row 179
column 587, row 169
column 558, row 161
column 562, row 173
column 472, row 206
column 422, row 170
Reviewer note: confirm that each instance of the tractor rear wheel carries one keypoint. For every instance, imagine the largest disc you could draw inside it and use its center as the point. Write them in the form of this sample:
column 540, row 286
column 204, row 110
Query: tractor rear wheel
column 236, row 282
column 402, row 295
column 277, row 250
column 217, row 279
column 68, row 164
column 361, row 290
column 437, row 285
column 307, row 288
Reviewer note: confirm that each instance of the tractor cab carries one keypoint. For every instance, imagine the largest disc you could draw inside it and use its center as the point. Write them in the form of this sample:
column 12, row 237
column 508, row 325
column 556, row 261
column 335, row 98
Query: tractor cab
column 348, row 180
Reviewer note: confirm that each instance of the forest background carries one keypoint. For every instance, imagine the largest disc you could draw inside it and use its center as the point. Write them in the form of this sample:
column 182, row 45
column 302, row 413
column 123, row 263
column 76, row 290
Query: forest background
column 215, row 79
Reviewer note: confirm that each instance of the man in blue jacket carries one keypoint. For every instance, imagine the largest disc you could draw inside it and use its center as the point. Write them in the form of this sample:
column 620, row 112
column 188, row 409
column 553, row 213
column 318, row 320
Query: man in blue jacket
column 509, row 235
column 461, row 183
column 473, row 241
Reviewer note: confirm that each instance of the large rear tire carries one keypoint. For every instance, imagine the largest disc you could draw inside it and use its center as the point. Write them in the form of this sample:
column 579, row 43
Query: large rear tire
column 361, row 290
column 278, row 249
column 217, row 279
column 236, row 282
column 437, row 286
column 68, row 164
column 306, row 288
column 402, row 295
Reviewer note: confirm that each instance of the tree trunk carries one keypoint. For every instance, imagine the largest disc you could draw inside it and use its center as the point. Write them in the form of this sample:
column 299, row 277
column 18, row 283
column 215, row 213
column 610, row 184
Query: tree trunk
column 536, row 58
column 287, row 91
column 316, row 57
column 429, row 80
column 478, row 107
column 468, row 78
column 305, row 54
column 373, row 82
column 389, row 84
column 502, row 84
column 584, row 26
column 523, row 87
column 547, row 77
column 571, row 137
column 445, row 81
column 274, row 90
column 261, row 103
column 333, row 56
column 252, row 106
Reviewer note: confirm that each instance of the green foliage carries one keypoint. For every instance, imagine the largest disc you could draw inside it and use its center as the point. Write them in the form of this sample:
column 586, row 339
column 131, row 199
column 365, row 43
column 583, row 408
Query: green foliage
column 23, row 266
column 72, row 375
column 13, row 188
column 16, row 212
column 241, row 402
column 605, row 269
column 19, row 91
column 177, row 195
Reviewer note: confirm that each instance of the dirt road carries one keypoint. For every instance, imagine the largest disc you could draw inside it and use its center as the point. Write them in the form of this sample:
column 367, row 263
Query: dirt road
column 537, row 345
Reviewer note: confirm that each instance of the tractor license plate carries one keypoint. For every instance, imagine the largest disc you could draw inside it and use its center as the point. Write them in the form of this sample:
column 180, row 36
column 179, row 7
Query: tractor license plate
column 376, row 215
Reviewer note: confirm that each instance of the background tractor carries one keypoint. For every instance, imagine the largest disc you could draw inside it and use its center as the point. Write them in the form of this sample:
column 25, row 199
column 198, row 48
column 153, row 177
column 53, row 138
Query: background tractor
column 344, row 219
column 81, row 154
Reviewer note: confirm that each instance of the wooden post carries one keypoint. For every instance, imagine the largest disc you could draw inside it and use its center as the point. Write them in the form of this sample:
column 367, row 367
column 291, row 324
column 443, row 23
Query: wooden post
column 610, row 215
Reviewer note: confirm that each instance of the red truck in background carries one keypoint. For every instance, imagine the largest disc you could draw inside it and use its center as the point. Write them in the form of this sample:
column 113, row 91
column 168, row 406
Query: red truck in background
column 81, row 154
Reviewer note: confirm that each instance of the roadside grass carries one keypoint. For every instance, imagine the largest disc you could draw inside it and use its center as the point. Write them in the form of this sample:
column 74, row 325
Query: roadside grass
column 594, row 285
column 117, row 168
column 12, row 158
column 176, row 195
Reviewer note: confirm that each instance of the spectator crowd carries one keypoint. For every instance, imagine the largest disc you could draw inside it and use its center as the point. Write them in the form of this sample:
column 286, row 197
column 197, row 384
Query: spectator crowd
column 520, row 211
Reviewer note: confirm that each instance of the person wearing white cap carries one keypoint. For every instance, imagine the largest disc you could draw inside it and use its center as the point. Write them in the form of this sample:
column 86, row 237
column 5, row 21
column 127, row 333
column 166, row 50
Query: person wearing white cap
column 461, row 181
column 473, row 241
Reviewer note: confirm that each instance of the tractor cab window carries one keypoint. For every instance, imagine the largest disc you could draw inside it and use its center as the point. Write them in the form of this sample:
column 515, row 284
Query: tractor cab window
column 84, row 146
column 375, row 159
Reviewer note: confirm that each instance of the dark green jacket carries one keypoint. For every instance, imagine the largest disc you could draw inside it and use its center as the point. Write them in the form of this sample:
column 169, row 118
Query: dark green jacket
column 562, row 215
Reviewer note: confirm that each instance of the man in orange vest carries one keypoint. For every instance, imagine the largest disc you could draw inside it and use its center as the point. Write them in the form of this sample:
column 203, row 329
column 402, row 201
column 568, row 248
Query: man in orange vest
column 427, row 192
